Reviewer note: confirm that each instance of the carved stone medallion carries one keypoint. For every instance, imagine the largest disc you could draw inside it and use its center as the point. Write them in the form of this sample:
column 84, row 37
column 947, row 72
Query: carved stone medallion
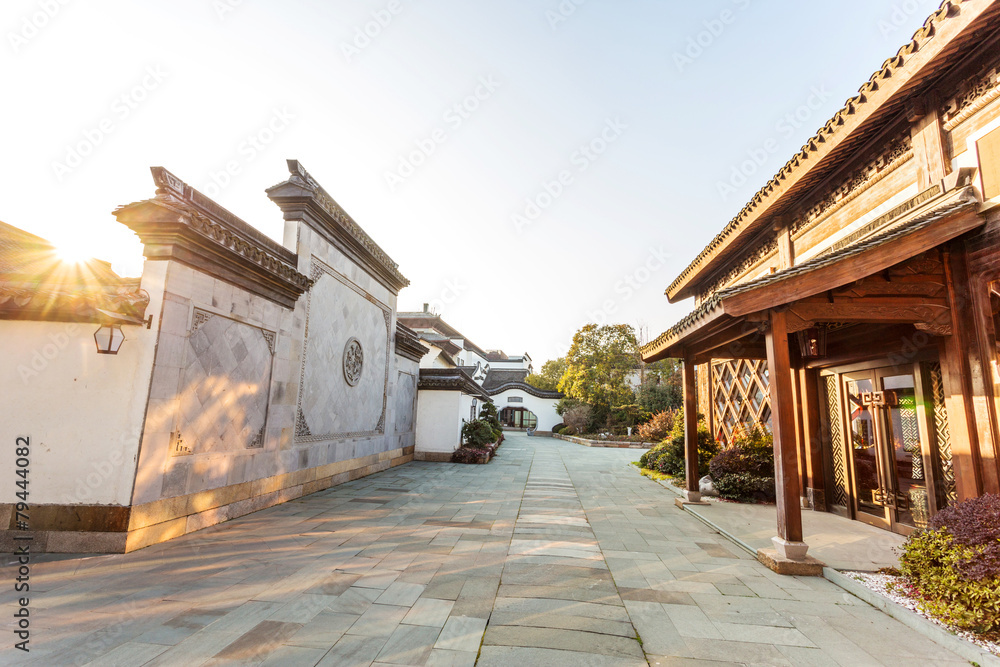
column 354, row 359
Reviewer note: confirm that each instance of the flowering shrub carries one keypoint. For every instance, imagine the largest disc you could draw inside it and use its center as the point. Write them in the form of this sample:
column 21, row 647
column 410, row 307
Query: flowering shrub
column 658, row 427
column 744, row 471
column 954, row 565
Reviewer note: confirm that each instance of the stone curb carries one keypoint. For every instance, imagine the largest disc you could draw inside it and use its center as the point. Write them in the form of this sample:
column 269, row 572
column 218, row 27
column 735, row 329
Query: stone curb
column 912, row 620
column 610, row 444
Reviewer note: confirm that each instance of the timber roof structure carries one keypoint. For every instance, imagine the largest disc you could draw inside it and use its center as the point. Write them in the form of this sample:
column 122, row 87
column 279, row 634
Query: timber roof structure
column 884, row 96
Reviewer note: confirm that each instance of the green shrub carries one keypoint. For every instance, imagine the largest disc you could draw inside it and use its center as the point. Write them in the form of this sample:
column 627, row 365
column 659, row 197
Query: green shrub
column 488, row 413
column 744, row 471
column 668, row 456
column 558, row 428
column 953, row 566
column 477, row 433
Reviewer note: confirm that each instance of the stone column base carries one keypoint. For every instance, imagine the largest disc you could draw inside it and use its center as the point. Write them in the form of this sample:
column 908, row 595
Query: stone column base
column 807, row 566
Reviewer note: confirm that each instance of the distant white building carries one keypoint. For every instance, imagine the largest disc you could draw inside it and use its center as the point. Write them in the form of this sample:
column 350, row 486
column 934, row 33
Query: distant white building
column 457, row 376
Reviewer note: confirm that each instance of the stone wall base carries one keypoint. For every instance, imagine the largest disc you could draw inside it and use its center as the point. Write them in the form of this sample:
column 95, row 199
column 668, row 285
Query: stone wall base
column 116, row 529
column 435, row 457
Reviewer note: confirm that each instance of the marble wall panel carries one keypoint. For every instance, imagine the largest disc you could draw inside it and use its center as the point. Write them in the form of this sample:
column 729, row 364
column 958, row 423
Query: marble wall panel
column 331, row 405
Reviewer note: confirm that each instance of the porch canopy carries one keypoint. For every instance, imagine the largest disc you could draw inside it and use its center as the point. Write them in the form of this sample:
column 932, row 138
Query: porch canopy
column 895, row 276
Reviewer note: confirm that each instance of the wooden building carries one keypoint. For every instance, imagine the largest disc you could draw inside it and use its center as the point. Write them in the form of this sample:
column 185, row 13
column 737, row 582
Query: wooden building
column 854, row 302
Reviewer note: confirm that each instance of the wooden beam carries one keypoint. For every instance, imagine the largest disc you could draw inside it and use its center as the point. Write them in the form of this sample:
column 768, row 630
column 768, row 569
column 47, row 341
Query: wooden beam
column 786, row 476
column 691, row 429
column 862, row 265
column 929, row 152
column 803, row 315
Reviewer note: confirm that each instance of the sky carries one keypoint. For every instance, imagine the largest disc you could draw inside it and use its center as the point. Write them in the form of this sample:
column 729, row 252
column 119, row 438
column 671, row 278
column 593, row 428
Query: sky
column 531, row 165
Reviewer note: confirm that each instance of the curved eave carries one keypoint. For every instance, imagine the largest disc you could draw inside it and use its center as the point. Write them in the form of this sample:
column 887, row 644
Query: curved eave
column 526, row 388
column 955, row 214
column 882, row 96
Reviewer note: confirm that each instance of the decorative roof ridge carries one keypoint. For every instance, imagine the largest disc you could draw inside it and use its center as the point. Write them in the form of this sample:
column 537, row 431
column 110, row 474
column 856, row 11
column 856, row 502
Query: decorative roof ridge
column 924, row 34
column 336, row 214
column 182, row 224
column 169, row 185
column 408, row 343
column 450, row 379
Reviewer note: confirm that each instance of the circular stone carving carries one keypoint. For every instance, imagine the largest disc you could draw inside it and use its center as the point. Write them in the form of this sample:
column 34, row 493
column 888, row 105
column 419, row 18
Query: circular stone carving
column 354, row 360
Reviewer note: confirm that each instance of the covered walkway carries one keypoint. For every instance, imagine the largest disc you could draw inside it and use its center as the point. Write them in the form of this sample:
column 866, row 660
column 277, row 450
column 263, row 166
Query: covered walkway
column 553, row 554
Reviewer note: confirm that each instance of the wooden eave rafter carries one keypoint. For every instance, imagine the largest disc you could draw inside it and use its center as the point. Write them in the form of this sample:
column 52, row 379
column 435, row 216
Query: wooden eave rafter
column 723, row 320
column 884, row 96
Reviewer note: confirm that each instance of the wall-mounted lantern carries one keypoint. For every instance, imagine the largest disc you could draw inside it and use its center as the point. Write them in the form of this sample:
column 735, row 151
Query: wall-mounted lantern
column 812, row 342
column 109, row 339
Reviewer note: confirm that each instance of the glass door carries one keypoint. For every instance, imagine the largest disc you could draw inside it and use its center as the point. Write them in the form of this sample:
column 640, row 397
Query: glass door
column 886, row 452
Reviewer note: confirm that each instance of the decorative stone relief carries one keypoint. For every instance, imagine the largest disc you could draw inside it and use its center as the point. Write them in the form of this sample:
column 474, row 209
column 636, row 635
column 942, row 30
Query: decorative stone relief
column 354, row 360
column 225, row 384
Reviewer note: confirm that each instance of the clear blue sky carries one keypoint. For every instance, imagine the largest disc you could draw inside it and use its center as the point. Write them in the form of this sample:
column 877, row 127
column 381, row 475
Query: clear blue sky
column 620, row 120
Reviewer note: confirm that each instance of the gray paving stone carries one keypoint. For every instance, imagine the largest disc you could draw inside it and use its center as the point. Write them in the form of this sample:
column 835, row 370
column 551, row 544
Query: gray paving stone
column 429, row 612
column 379, row 620
column 565, row 549
column 461, row 633
column 409, row 645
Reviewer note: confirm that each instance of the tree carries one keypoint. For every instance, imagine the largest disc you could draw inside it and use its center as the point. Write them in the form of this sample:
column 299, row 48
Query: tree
column 597, row 367
column 548, row 379
column 662, row 389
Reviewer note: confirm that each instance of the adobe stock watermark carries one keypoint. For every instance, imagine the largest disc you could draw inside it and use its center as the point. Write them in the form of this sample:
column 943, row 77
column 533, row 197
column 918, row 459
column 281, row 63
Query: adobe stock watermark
column 47, row 352
column 582, row 158
column 364, row 34
column 31, row 25
column 562, row 12
column 453, row 117
column 630, row 284
column 452, row 291
column 900, row 16
column 248, row 150
column 703, row 40
column 224, row 8
column 760, row 155
column 122, row 107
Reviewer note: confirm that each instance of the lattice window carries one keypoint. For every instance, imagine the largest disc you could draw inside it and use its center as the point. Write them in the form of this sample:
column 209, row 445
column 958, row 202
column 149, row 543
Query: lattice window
column 841, row 494
column 946, row 471
column 740, row 396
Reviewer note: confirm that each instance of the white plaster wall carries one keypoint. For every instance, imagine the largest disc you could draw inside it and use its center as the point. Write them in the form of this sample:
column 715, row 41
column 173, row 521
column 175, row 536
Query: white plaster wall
column 82, row 411
column 439, row 422
column 544, row 408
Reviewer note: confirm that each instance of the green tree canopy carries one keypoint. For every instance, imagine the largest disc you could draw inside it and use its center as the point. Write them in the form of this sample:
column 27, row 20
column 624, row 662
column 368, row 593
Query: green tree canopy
column 662, row 387
column 598, row 364
column 548, row 379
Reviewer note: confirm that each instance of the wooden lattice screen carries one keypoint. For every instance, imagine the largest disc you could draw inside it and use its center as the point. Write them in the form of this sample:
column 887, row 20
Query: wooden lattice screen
column 739, row 396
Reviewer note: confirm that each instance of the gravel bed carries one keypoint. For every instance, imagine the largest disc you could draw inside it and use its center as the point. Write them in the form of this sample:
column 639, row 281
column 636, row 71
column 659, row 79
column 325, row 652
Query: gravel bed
column 880, row 583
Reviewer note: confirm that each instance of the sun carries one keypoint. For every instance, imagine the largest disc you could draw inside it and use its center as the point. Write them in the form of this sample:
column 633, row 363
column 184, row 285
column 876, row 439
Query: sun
column 72, row 253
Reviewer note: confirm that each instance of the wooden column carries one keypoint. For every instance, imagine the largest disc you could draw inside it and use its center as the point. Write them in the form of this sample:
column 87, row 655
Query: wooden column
column 692, row 492
column 783, row 428
column 966, row 380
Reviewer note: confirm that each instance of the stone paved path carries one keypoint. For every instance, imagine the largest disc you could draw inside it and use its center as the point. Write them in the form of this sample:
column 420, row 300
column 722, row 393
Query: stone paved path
column 554, row 554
